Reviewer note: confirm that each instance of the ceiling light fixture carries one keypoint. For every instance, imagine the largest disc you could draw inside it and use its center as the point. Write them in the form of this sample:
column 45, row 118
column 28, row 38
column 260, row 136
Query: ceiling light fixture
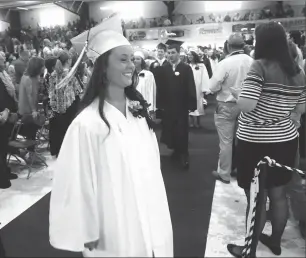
column 105, row 8
column 127, row 10
column 22, row 8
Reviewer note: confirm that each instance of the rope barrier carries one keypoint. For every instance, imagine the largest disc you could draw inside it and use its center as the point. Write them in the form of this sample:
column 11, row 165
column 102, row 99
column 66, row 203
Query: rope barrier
column 254, row 190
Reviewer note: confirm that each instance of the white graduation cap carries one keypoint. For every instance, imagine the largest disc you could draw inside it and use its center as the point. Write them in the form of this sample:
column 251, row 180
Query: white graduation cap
column 193, row 49
column 96, row 41
column 101, row 38
column 140, row 54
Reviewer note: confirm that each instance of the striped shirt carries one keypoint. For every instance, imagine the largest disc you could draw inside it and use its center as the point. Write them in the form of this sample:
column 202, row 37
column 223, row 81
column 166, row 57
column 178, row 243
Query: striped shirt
column 277, row 95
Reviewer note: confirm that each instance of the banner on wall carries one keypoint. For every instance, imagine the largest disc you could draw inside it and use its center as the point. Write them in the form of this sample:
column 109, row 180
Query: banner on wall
column 290, row 24
column 190, row 31
column 154, row 34
column 204, row 31
column 209, row 31
column 294, row 24
column 244, row 28
column 138, row 35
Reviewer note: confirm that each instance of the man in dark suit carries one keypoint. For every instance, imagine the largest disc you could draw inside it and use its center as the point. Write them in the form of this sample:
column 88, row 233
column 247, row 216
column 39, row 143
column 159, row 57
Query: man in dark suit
column 179, row 99
column 161, row 57
column 157, row 69
column 206, row 62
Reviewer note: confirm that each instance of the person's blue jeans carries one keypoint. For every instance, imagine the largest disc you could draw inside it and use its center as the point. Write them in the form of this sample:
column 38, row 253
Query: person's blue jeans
column 226, row 117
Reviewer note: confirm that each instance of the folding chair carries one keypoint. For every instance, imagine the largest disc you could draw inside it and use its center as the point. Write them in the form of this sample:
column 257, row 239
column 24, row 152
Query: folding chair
column 43, row 132
column 21, row 144
column 42, row 135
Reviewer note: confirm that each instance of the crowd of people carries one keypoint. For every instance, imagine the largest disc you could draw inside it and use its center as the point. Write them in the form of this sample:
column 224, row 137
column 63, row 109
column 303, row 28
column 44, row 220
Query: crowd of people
column 32, row 39
column 265, row 99
column 271, row 11
column 29, row 82
column 30, row 74
column 111, row 107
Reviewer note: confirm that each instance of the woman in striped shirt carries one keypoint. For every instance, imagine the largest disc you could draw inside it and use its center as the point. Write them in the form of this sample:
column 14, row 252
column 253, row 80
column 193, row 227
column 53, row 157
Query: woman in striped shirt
column 274, row 88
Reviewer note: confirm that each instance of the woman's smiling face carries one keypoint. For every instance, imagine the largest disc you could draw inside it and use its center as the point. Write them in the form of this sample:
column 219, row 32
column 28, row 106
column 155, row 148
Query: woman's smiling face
column 120, row 66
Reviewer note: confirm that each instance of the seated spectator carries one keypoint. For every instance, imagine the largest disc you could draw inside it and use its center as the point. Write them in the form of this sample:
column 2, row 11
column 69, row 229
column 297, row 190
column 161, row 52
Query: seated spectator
column 28, row 98
column 20, row 66
column 10, row 68
column 47, row 48
column 8, row 107
column 6, row 79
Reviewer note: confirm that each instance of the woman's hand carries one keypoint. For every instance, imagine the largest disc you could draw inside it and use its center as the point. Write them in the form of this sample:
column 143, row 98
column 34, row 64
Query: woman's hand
column 152, row 114
column 92, row 245
column 34, row 114
column 4, row 115
column 2, row 119
column 296, row 119
column 235, row 92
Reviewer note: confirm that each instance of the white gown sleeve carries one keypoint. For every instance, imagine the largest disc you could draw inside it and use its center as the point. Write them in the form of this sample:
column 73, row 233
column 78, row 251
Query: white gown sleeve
column 154, row 93
column 150, row 89
column 74, row 218
column 205, row 79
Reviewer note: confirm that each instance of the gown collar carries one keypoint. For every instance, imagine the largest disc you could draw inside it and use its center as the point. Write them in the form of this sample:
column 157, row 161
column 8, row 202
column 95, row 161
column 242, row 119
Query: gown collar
column 112, row 108
column 113, row 113
column 175, row 66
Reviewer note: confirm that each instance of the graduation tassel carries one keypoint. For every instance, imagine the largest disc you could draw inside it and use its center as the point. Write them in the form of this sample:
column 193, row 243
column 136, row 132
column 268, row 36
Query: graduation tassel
column 74, row 69
column 72, row 72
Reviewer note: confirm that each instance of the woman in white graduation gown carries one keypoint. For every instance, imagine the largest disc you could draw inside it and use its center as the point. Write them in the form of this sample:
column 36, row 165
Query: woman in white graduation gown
column 213, row 59
column 146, row 85
column 108, row 197
column 201, row 79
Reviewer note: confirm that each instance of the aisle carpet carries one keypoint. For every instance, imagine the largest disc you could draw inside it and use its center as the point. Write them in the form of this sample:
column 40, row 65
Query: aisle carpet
column 190, row 195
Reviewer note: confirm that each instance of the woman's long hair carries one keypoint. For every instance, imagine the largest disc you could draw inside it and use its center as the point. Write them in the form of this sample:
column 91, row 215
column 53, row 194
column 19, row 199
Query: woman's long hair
column 271, row 44
column 97, row 86
column 196, row 58
column 61, row 61
column 143, row 64
column 50, row 64
column 225, row 48
column 35, row 66
column 214, row 56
